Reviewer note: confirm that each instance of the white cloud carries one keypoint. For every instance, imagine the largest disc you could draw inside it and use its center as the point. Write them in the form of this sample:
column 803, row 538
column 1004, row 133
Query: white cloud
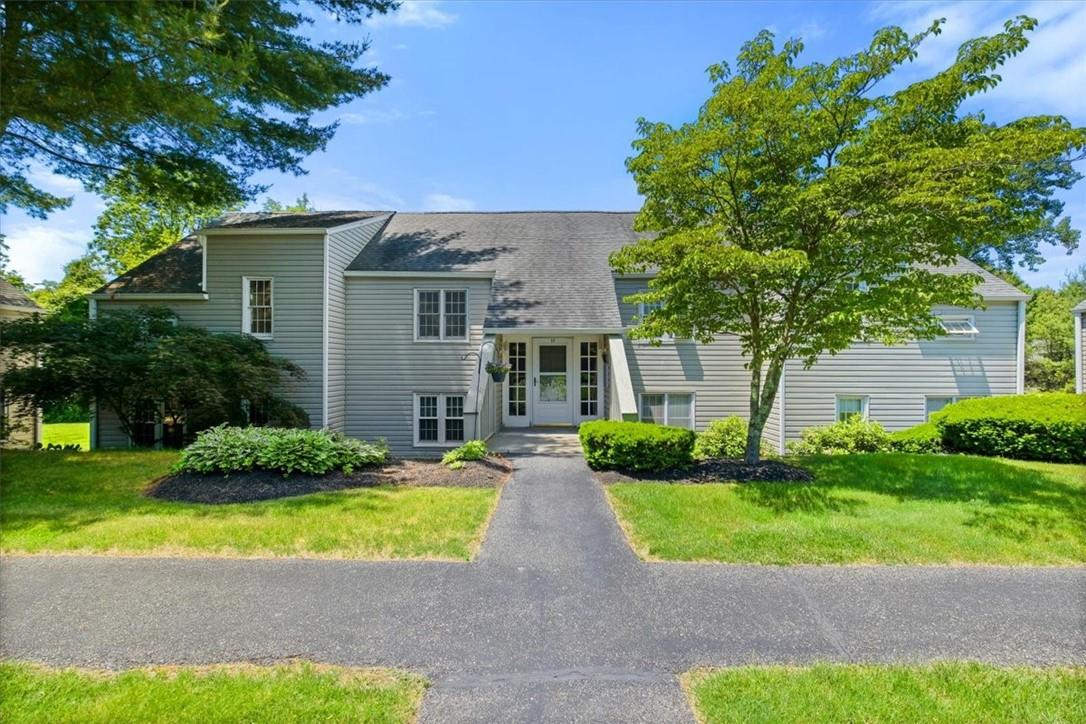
column 420, row 13
column 39, row 251
column 377, row 116
column 811, row 30
column 42, row 177
column 445, row 202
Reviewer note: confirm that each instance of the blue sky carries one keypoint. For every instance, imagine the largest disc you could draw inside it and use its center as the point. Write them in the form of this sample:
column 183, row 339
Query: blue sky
column 503, row 106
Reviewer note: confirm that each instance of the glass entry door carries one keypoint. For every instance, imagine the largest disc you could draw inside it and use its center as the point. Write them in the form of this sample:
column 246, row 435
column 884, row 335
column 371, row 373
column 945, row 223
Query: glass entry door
column 552, row 401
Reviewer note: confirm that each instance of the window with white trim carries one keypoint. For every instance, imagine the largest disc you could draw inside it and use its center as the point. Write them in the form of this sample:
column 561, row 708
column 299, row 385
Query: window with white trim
column 849, row 406
column 257, row 307
column 590, row 379
column 668, row 408
column 646, row 308
column 959, row 327
column 441, row 314
column 439, row 419
column 934, row 403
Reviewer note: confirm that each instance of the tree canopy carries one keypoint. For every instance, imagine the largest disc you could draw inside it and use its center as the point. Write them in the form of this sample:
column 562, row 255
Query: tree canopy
column 128, row 359
column 803, row 211
column 1050, row 334
column 186, row 99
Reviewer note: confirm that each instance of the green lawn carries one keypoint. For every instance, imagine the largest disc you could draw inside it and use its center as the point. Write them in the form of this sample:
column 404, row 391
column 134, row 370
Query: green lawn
column 244, row 693
column 890, row 508
column 66, row 433
column 91, row 503
column 944, row 692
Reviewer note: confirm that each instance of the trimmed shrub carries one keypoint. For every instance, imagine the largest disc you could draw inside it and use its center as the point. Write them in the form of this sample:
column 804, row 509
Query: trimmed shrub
column 725, row 438
column 923, row 438
column 226, row 449
column 611, row 444
column 1049, row 426
column 471, row 450
column 854, row 435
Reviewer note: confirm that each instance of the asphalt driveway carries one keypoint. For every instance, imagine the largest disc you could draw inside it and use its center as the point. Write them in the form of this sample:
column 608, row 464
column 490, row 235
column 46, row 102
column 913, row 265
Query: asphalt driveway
column 556, row 620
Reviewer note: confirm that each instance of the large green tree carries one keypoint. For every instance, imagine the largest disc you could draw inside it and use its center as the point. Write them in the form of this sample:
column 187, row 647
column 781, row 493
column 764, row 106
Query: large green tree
column 1050, row 334
column 187, row 98
column 803, row 210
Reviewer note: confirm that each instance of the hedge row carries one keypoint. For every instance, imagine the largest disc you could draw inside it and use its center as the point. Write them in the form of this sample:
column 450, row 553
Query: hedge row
column 1048, row 426
column 616, row 445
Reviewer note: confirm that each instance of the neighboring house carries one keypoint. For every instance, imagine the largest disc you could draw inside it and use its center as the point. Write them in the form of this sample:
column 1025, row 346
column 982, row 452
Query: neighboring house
column 20, row 426
column 1080, row 346
column 395, row 315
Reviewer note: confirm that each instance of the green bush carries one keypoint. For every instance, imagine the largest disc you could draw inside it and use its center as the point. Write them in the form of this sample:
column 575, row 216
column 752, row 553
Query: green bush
column 471, row 450
column 611, row 444
column 725, row 438
column 854, row 435
column 226, row 449
column 1049, row 426
column 61, row 412
column 923, row 438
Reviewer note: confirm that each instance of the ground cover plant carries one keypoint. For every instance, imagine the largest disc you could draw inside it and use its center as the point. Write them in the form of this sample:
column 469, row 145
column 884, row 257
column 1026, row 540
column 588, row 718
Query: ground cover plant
column 613, row 444
column 945, row 692
column 878, row 508
column 295, row 692
column 471, row 450
column 226, row 449
column 94, row 502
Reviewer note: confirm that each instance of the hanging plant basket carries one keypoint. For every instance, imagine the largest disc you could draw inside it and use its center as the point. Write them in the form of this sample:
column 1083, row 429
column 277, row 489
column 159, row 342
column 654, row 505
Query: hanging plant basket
column 497, row 371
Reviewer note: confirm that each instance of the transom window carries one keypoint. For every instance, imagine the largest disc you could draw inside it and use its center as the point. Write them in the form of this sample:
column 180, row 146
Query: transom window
column 441, row 314
column 849, row 406
column 590, row 379
column 668, row 408
column 439, row 419
column 517, row 354
column 257, row 307
column 960, row 327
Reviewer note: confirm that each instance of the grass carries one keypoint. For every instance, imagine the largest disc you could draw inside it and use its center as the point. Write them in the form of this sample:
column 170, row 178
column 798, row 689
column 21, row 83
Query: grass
column 66, row 433
column 891, row 508
column 300, row 692
column 944, row 692
column 91, row 502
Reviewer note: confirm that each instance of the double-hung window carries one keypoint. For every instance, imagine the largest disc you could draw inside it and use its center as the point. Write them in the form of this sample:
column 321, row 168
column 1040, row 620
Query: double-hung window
column 849, row 406
column 441, row 314
column 439, row 419
column 256, row 314
column 668, row 408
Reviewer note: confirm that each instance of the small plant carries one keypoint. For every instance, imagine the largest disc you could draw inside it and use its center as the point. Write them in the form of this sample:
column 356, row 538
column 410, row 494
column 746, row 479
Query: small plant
column 226, row 449
column 611, row 444
column 854, row 435
column 471, row 450
column 725, row 439
column 497, row 370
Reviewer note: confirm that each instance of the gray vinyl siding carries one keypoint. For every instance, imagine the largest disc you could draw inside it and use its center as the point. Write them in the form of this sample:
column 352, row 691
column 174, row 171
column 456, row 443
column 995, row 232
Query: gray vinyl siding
column 23, row 424
column 713, row 372
column 343, row 247
column 1082, row 352
column 385, row 366
column 297, row 266
column 109, row 433
column 897, row 379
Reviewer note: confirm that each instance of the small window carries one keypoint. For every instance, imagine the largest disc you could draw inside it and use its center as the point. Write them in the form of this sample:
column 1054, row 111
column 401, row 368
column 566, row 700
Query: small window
column 670, row 408
column 960, row 327
column 517, row 354
column 257, row 307
column 934, row 403
column 849, row 407
column 441, row 314
column 646, row 308
column 439, row 419
column 590, row 391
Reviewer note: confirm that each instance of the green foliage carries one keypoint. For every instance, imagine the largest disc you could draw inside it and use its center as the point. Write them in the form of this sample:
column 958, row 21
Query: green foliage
column 922, row 438
column 127, row 359
column 66, row 411
column 612, row 444
column 190, row 98
column 1050, row 335
column 225, row 449
column 854, row 435
column 1043, row 426
column 725, row 438
column 68, row 298
column 301, row 205
column 802, row 211
column 471, row 450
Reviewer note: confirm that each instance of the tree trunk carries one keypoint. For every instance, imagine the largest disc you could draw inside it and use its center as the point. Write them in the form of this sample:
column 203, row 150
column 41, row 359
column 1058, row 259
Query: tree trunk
column 762, row 395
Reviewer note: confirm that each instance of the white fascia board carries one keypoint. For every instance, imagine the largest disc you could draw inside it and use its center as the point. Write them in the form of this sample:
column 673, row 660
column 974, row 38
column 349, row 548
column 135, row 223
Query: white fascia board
column 383, row 216
column 151, row 297
column 551, row 331
column 421, row 274
column 306, row 231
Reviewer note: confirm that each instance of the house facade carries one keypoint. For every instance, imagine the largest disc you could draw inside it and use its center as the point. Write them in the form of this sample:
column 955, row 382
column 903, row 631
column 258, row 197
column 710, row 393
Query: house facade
column 20, row 426
column 394, row 317
column 1080, row 346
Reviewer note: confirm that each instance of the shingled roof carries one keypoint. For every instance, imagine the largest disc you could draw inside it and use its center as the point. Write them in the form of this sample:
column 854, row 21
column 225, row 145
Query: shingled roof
column 550, row 268
column 290, row 219
column 12, row 296
column 177, row 270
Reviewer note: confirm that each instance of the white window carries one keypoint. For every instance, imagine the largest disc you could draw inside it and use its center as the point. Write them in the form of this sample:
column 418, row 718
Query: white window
column 646, row 308
column 441, row 314
column 256, row 314
column 439, row 419
column 668, row 408
column 849, row 406
column 590, row 379
column 934, row 403
column 961, row 327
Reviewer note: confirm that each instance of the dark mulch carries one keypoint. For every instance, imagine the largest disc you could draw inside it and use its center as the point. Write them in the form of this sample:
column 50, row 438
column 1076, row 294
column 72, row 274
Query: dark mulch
column 490, row 472
column 715, row 471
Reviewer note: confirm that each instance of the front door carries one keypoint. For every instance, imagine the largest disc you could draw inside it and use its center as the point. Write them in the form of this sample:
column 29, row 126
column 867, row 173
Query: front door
column 551, row 397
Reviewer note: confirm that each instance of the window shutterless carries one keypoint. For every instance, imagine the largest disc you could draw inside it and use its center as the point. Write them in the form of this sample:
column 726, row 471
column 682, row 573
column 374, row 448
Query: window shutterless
column 441, row 314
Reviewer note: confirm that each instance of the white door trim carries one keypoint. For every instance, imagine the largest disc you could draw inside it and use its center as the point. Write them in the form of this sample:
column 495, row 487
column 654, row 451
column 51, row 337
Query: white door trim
column 537, row 418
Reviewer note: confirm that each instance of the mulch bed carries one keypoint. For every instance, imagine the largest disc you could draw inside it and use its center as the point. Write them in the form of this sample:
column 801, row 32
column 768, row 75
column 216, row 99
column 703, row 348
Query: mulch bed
column 490, row 472
column 715, row 471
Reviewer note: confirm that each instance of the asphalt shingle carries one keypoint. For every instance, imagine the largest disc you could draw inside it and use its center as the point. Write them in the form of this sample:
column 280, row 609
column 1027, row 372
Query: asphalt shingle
column 12, row 296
